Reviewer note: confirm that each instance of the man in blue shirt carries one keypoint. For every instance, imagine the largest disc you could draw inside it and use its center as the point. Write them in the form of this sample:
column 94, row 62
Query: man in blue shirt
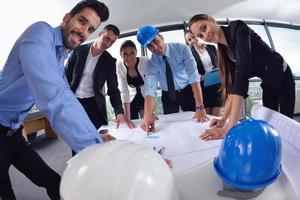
column 185, row 79
column 34, row 74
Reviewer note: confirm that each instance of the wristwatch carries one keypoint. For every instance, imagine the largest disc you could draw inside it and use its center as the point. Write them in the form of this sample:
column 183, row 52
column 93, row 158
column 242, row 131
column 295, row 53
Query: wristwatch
column 199, row 107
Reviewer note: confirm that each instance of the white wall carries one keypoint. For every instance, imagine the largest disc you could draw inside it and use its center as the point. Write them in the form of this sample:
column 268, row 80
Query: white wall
column 16, row 16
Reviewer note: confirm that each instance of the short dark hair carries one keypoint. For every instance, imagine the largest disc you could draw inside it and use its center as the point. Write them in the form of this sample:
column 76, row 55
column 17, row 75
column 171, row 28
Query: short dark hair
column 100, row 8
column 113, row 28
column 127, row 43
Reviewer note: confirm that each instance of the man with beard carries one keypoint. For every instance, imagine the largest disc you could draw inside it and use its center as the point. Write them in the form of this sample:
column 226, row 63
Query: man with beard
column 34, row 74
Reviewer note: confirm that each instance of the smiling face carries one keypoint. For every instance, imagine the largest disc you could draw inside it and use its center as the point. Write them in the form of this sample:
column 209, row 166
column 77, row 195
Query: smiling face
column 106, row 39
column 129, row 55
column 191, row 39
column 207, row 30
column 77, row 29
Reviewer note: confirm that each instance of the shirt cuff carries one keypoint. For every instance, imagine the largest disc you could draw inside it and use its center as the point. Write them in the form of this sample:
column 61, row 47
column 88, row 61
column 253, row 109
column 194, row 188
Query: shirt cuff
column 194, row 78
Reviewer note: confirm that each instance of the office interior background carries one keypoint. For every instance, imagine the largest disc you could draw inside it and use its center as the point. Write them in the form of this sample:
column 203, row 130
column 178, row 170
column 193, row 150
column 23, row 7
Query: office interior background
column 276, row 21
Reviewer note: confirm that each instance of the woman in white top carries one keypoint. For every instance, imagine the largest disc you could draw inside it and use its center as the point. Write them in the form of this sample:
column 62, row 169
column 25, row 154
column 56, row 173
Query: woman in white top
column 205, row 57
column 131, row 75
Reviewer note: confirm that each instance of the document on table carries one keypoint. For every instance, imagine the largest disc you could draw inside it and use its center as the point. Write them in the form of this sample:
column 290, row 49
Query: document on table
column 178, row 133
column 289, row 131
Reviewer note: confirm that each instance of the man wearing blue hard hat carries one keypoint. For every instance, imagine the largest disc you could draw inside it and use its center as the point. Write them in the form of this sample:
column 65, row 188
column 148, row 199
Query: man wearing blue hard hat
column 173, row 66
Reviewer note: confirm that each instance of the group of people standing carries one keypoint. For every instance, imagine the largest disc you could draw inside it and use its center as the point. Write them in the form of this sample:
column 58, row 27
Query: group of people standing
column 72, row 96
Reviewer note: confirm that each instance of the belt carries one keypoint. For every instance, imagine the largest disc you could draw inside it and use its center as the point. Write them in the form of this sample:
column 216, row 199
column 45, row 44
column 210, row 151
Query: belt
column 180, row 90
column 8, row 132
column 87, row 100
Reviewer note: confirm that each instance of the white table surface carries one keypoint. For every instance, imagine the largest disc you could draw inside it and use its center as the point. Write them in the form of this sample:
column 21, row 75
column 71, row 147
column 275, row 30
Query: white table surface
column 192, row 158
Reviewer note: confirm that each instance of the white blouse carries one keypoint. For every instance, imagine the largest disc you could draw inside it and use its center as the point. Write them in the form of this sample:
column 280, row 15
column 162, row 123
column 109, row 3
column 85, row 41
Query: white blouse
column 128, row 93
column 206, row 60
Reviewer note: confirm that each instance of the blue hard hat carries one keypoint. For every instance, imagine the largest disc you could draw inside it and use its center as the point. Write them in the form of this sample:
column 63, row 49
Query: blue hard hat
column 146, row 34
column 249, row 157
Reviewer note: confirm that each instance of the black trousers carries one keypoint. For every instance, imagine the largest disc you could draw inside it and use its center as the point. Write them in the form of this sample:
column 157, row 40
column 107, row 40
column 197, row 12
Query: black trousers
column 14, row 150
column 281, row 100
column 212, row 96
column 184, row 99
column 95, row 114
column 137, row 106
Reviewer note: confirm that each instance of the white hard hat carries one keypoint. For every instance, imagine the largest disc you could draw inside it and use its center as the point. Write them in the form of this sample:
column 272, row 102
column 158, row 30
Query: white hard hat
column 118, row 170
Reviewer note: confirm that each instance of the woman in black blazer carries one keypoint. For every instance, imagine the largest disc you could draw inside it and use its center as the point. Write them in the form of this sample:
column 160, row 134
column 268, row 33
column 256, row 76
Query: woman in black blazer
column 242, row 54
column 205, row 57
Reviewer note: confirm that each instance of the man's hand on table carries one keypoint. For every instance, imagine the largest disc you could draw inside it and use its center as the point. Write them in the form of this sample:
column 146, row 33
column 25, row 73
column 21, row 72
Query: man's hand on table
column 169, row 162
column 148, row 124
column 107, row 137
column 200, row 116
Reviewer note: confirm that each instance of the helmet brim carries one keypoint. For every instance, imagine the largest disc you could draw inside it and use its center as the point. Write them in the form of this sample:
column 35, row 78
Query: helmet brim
column 245, row 186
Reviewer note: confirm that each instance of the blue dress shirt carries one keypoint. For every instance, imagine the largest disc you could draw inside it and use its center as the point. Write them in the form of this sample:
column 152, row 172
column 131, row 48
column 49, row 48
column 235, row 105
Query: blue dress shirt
column 183, row 64
column 34, row 73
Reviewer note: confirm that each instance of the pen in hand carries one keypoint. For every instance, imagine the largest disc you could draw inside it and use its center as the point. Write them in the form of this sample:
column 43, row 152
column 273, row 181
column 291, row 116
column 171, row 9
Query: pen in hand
column 150, row 128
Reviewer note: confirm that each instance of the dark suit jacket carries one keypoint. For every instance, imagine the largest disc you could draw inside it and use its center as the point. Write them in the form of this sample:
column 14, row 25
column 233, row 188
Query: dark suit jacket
column 105, row 71
column 253, row 57
column 213, row 55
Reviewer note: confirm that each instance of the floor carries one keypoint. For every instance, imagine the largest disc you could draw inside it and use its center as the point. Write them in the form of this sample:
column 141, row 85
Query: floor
column 55, row 153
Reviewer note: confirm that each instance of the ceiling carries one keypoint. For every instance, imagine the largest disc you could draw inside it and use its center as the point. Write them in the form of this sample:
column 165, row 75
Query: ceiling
column 128, row 15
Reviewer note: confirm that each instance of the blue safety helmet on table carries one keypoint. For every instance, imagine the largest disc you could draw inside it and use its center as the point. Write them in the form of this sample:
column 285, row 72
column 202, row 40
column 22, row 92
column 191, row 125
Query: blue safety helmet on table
column 250, row 156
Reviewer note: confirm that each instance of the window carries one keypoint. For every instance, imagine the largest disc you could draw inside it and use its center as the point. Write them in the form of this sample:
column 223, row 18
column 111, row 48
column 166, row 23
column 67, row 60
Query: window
column 173, row 36
column 260, row 30
column 286, row 42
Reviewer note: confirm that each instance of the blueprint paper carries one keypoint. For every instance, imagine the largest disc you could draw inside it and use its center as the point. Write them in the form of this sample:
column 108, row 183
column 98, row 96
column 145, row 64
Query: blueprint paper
column 178, row 133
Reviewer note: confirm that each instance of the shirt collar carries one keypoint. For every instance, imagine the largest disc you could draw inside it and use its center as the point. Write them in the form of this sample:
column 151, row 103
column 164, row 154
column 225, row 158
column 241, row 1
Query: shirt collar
column 167, row 53
column 59, row 45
